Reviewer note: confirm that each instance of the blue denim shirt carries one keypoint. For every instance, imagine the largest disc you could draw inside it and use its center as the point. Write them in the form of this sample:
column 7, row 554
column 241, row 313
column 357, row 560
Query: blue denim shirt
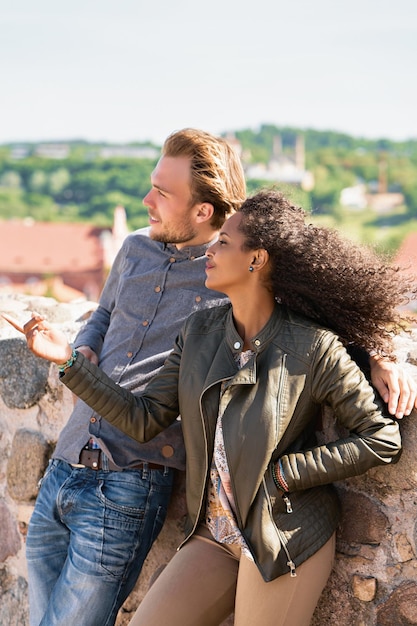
column 151, row 289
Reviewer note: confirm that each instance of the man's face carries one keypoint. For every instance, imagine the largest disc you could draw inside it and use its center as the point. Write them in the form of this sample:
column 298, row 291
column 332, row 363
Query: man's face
column 171, row 214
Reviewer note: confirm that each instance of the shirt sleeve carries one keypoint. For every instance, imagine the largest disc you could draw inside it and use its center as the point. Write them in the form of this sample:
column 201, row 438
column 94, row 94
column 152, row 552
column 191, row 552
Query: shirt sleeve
column 92, row 334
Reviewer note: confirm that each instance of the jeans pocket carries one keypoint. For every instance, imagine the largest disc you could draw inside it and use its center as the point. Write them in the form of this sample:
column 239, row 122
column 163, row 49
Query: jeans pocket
column 133, row 513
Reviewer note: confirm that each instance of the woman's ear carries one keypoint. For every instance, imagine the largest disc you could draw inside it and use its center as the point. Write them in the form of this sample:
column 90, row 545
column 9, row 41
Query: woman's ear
column 260, row 259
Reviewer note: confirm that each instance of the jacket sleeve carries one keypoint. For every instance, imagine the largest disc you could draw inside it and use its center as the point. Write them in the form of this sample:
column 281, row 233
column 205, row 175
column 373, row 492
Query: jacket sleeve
column 372, row 439
column 140, row 416
column 361, row 358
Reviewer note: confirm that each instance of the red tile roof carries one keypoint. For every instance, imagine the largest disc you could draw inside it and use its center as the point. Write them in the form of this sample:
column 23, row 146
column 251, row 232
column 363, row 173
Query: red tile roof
column 55, row 288
column 27, row 246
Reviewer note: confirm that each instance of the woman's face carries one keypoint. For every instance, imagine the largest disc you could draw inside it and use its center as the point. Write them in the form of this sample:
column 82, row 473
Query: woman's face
column 228, row 263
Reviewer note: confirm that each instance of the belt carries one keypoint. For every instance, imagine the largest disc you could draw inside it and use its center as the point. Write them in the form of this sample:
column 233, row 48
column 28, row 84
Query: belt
column 93, row 459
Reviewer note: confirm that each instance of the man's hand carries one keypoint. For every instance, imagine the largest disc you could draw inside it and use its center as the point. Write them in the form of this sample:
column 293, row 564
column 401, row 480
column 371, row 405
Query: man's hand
column 43, row 339
column 396, row 387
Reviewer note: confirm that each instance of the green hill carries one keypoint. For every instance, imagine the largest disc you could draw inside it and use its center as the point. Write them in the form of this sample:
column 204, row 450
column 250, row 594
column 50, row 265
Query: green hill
column 82, row 181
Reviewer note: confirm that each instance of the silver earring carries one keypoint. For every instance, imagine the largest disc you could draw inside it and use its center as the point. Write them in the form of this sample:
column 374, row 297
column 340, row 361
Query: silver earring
column 250, row 268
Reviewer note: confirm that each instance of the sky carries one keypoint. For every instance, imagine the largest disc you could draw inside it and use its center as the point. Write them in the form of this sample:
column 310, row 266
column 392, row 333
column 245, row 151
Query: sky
column 122, row 71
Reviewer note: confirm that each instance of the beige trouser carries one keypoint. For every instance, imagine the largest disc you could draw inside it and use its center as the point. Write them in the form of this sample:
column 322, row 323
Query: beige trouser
column 205, row 581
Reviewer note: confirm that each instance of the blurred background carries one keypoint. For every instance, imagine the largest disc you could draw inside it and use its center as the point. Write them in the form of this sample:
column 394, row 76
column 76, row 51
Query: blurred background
column 318, row 97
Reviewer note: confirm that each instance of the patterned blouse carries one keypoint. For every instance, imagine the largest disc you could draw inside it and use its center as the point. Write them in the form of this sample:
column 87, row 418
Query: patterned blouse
column 220, row 517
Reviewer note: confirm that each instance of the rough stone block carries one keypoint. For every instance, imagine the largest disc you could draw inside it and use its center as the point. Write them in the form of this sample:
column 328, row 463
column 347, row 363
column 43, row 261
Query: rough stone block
column 23, row 377
column 364, row 588
column 28, row 459
column 9, row 535
column 14, row 602
column 401, row 607
column 369, row 527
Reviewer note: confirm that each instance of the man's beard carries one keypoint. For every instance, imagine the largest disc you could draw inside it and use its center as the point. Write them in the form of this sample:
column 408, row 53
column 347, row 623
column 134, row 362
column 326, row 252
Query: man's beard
column 181, row 234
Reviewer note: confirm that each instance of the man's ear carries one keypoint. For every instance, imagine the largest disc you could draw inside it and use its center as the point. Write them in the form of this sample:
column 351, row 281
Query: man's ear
column 205, row 212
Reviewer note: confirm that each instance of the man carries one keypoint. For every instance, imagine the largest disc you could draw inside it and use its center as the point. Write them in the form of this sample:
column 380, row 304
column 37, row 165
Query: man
column 103, row 498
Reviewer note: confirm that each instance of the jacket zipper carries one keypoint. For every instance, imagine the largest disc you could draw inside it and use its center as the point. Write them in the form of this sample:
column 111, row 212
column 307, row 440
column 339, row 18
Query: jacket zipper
column 285, row 496
column 207, row 463
column 290, row 562
column 288, row 504
column 280, row 534
column 281, row 382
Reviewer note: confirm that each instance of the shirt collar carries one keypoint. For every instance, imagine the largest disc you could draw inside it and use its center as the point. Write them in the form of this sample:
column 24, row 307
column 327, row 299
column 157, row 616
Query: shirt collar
column 189, row 252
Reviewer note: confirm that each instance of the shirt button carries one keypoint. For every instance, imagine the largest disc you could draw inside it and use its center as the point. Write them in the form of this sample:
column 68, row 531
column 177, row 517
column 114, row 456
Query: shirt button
column 130, row 354
column 145, row 323
column 198, row 298
column 192, row 258
column 172, row 260
column 167, row 451
column 257, row 343
column 157, row 289
column 236, row 345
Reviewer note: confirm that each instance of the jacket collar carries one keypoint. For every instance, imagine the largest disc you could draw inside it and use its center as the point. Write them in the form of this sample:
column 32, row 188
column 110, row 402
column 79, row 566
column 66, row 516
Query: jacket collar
column 262, row 339
column 224, row 365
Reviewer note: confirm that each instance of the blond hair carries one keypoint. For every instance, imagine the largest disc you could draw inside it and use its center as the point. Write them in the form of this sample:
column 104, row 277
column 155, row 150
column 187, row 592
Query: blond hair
column 217, row 174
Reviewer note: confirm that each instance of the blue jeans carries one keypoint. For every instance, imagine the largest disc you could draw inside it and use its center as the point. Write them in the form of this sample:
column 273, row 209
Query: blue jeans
column 88, row 537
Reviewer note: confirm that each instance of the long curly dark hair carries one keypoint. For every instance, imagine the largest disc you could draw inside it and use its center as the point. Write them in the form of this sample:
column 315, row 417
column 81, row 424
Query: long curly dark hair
column 319, row 274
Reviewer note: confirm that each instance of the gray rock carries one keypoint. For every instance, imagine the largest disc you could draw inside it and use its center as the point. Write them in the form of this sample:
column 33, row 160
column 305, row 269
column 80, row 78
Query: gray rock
column 29, row 456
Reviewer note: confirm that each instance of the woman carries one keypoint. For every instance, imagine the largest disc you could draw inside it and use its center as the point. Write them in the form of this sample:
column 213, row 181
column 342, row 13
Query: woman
column 248, row 380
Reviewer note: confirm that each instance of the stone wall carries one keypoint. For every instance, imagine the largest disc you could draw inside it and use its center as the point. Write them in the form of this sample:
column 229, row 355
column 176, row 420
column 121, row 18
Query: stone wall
column 374, row 580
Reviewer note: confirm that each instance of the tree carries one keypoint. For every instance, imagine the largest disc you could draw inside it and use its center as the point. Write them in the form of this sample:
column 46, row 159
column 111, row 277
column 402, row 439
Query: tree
column 11, row 178
column 58, row 181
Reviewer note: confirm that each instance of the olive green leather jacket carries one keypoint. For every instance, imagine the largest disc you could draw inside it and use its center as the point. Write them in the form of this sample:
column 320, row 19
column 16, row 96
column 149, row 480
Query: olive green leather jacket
column 270, row 412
